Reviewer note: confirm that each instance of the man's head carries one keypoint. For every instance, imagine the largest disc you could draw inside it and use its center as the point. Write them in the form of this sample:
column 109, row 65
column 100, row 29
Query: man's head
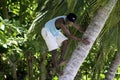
column 71, row 18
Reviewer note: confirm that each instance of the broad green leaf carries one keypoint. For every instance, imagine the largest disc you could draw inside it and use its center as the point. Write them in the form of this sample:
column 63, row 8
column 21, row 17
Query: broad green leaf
column 2, row 26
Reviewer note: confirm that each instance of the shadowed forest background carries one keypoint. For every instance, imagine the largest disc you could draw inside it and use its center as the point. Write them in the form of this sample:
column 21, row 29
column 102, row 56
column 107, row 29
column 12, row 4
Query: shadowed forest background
column 23, row 52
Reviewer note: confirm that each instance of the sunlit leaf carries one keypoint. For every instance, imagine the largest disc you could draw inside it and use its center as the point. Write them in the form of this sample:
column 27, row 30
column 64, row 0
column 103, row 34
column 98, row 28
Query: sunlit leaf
column 2, row 26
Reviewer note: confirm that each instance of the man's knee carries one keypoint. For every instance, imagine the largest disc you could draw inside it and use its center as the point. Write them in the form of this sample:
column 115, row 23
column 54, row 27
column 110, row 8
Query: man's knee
column 65, row 42
column 54, row 51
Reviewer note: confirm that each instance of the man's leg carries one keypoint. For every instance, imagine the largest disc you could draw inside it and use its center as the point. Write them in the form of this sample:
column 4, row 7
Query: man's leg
column 55, row 62
column 54, row 58
column 63, row 50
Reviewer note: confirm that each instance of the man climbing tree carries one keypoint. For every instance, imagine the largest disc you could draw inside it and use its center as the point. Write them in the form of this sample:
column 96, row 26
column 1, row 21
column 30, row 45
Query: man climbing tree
column 54, row 38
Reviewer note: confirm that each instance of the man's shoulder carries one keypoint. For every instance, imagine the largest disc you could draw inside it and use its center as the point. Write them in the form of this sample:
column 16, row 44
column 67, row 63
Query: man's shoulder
column 60, row 17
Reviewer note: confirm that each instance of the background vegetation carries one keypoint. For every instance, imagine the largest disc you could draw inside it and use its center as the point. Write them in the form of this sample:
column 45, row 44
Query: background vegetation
column 23, row 53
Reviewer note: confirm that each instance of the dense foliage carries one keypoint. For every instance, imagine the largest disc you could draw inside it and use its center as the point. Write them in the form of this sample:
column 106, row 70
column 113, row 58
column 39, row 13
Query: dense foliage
column 23, row 53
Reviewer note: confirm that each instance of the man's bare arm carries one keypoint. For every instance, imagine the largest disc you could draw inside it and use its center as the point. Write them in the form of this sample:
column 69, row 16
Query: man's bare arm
column 78, row 27
column 60, row 23
column 67, row 33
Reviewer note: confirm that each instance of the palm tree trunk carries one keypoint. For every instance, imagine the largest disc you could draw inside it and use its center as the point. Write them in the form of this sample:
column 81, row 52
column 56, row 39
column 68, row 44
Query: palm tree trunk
column 113, row 67
column 92, row 32
column 21, row 18
column 42, row 67
column 14, row 71
column 29, row 58
column 13, row 64
column 3, row 4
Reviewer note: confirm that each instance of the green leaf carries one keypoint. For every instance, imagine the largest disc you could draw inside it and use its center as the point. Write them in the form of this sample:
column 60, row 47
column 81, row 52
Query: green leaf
column 2, row 26
column 2, row 37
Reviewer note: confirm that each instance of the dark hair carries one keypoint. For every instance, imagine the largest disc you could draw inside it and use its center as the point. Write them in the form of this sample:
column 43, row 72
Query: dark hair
column 71, row 17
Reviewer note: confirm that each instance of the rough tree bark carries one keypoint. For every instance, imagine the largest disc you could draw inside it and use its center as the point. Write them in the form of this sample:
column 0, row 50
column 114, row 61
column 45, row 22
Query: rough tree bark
column 3, row 4
column 92, row 32
column 29, row 59
column 42, row 67
column 113, row 67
